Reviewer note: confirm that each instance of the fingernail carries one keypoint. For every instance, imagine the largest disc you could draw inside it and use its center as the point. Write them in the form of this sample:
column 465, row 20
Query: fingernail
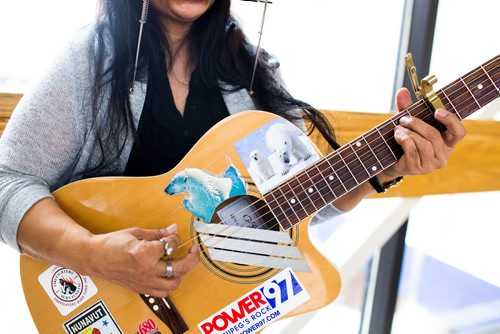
column 404, row 120
column 172, row 228
column 442, row 112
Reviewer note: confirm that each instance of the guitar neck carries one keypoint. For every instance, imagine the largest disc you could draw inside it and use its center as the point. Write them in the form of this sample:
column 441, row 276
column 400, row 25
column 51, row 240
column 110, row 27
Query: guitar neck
column 366, row 156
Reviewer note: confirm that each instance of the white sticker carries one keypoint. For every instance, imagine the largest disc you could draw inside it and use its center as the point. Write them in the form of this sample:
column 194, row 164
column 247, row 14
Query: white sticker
column 66, row 288
column 258, row 308
column 94, row 320
column 274, row 153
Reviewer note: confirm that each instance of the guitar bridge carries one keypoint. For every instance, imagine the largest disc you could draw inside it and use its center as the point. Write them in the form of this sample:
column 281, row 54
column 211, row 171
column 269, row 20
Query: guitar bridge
column 165, row 309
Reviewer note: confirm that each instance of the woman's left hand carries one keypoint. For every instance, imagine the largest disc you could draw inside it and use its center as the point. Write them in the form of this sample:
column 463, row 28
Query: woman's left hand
column 425, row 148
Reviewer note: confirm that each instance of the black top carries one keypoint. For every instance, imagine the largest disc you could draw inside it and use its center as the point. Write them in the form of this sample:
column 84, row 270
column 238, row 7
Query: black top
column 164, row 136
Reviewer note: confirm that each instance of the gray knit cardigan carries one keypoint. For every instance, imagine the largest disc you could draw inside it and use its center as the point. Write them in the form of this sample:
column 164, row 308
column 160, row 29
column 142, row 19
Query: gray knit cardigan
column 49, row 140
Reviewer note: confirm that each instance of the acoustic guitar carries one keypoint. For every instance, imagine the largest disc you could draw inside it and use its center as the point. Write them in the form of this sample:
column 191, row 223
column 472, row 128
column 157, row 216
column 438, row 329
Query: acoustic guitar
column 245, row 194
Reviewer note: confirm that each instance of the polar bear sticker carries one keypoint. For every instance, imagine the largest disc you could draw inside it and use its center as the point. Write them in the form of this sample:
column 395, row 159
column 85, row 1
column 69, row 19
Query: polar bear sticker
column 260, row 165
column 284, row 141
column 275, row 152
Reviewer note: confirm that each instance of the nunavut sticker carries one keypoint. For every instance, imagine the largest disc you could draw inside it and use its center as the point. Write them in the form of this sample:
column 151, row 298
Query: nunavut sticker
column 66, row 288
column 94, row 320
column 259, row 307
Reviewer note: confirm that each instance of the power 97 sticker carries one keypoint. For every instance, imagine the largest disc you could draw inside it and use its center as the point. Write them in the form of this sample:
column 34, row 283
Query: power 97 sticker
column 259, row 307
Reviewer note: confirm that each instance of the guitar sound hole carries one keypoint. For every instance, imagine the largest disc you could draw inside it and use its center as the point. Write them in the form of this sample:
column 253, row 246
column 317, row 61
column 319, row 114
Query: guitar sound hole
column 245, row 211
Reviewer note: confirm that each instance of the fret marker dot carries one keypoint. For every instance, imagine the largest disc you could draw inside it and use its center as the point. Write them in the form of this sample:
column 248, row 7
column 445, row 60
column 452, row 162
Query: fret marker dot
column 310, row 190
column 480, row 86
column 358, row 144
column 151, row 300
column 156, row 308
column 374, row 168
column 293, row 201
column 330, row 177
column 147, row 296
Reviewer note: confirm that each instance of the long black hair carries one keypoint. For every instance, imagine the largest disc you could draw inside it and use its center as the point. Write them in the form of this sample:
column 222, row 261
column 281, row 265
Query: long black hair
column 216, row 45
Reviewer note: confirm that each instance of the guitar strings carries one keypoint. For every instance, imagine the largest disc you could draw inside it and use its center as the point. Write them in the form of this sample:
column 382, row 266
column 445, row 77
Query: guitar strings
column 465, row 101
column 401, row 114
column 469, row 102
column 415, row 106
column 290, row 207
column 336, row 165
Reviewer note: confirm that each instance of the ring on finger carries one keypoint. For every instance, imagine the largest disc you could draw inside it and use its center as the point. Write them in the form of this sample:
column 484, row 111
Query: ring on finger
column 166, row 246
column 169, row 269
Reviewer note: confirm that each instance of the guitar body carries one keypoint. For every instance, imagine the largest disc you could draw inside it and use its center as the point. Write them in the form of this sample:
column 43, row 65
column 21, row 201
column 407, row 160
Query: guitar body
column 245, row 194
column 113, row 203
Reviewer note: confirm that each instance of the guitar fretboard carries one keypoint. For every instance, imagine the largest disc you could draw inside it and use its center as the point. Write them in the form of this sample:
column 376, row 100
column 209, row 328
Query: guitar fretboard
column 366, row 156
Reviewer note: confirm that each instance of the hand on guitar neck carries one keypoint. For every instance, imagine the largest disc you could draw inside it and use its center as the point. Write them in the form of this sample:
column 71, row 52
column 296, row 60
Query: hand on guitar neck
column 424, row 148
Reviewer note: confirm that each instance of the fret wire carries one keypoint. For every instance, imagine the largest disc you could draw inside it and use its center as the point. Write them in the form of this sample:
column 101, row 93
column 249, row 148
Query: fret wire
column 300, row 200
column 320, row 183
column 427, row 109
column 492, row 61
column 459, row 96
column 325, row 191
column 285, row 216
column 352, row 159
column 486, row 92
column 380, row 150
column 453, row 85
column 289, row 202
column 305, row 192
column 466, row 86
column 467, row 107
column 304, row 189
column 392, row 119
column 338, row 167
column 361, row 161
column 314, row 187
column 317, row 189
column 370, row 148
column 327, row 183
column 479, row 84
column 305, row 197
column 451, row 103
column 347, row 167
column 335, row 172
column 376, row 128
column 488, row 75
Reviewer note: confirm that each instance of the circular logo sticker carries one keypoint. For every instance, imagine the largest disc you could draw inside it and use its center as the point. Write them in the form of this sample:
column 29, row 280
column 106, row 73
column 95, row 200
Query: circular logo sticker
column 67, row 285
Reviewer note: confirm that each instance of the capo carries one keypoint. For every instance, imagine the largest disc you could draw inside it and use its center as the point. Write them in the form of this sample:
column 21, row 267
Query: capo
column 423, row 89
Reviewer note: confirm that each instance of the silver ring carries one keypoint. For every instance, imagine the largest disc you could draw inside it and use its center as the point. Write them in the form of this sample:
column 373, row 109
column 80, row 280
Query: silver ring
column 166, row 246
column 169, row 269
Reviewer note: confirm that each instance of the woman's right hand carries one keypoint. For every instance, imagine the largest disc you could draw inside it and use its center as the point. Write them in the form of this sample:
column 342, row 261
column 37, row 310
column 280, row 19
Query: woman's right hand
column 134, row 258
